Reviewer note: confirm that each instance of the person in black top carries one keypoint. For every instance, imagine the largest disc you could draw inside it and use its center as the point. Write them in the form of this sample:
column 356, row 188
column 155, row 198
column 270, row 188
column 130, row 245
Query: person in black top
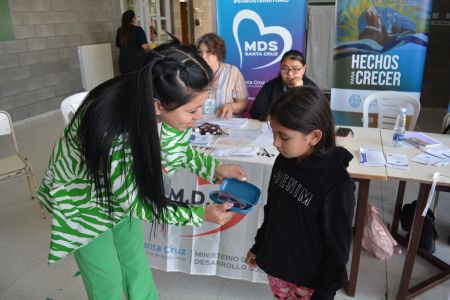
column 292, row 74
column 132, row 41
column 303, row 244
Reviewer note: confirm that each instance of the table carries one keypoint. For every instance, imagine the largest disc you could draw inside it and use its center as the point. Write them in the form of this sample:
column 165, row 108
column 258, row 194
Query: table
column 421, row 174
column 213, row 250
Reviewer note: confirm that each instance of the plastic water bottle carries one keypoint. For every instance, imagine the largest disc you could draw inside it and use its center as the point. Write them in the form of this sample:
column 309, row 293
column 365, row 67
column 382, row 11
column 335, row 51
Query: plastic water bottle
column 208, row 107
column 399, row 128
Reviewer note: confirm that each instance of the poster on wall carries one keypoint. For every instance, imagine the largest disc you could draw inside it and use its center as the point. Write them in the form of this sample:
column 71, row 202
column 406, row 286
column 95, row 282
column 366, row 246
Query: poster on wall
column 380, row 46
column 257, row 33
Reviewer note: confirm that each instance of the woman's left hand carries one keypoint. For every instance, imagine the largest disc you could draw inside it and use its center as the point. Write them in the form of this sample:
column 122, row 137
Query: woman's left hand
column 226, row 111
column 230, row 171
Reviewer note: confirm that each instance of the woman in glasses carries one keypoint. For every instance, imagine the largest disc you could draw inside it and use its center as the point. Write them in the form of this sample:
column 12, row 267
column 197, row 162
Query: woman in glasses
column 292, row 74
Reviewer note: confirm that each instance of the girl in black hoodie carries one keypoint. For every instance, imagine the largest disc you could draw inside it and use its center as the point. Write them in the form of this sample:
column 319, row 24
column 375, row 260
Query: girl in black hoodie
column 304, row 241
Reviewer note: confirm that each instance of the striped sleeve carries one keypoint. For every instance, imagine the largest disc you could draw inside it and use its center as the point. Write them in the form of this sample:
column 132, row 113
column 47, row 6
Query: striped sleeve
column 176, row 152
column 71, row 198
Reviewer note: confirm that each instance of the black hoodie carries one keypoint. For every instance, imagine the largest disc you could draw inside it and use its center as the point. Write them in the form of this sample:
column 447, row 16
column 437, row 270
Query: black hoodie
column 307, row 229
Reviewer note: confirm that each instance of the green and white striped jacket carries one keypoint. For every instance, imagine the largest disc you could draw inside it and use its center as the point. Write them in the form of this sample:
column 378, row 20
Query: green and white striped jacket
column 70, row 198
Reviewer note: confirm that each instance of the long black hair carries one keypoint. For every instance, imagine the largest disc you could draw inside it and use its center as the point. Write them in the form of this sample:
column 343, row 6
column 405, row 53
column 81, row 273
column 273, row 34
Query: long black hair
column 306, row 109
column 121, row 111
column 127, row 17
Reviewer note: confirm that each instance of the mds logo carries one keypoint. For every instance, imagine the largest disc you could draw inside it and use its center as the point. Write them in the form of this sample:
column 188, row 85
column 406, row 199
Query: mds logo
column 260, row 46
column 198, row 197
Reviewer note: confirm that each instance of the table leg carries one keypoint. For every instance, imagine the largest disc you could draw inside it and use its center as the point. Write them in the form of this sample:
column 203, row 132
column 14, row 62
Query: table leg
column 361, row 209
column 398, row 206
column 413, row 243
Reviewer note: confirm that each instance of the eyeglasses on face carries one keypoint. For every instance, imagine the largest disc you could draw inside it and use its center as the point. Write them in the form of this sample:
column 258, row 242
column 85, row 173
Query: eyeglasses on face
column 294, row 70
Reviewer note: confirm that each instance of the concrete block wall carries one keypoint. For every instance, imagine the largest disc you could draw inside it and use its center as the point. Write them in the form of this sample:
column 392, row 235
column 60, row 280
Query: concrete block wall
column 40, row 67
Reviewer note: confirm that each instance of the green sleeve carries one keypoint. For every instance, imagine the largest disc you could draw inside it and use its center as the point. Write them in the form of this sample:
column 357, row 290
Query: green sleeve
column 176, row 152
column 126, row 194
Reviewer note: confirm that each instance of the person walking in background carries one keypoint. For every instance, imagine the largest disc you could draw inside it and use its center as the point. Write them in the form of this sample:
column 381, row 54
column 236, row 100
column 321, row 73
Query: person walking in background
column 105, row 172
column 228, row 92
column 303, row 244
column 132, row 42
column 292, row 74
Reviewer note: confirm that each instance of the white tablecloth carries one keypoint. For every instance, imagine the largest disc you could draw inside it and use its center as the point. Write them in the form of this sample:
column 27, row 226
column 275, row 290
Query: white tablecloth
column 211, row 249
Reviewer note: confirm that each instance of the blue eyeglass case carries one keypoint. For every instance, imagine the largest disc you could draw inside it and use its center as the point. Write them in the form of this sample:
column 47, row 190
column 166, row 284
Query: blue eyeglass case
column 244, row 191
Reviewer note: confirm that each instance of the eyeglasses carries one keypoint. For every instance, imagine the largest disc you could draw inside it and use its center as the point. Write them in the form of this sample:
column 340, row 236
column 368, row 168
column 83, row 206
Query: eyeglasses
column 294, row 70
column 227, row 197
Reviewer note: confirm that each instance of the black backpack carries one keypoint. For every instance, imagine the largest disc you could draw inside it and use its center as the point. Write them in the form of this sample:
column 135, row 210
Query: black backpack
column 429, row 233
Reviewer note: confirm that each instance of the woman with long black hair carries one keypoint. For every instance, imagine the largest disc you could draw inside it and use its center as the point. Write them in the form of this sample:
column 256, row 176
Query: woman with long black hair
column 106, row 172
column 132, row 42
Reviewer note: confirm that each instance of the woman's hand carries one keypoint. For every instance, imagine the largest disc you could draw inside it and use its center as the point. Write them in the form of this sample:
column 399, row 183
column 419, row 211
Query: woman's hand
column 218, row 213
column 226, row 111
column 230, row 171
column 251, row 259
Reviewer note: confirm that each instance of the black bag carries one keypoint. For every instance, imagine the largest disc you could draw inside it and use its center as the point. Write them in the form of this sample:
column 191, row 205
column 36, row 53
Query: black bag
column 429, row 233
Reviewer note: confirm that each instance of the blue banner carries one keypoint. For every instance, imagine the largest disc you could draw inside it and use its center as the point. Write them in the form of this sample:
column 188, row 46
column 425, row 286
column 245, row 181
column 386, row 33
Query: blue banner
column 380, row 46
column 257, row 33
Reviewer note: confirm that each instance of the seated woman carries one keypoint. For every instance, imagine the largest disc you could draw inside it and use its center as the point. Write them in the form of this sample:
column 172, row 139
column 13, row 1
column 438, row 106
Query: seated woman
column 228, row 92
column 292, row 74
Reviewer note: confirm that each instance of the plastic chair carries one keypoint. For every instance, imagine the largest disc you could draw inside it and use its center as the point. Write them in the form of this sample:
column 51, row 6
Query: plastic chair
column 70, row 105
column 16, row 165
column 389, row 104
column 445, row 124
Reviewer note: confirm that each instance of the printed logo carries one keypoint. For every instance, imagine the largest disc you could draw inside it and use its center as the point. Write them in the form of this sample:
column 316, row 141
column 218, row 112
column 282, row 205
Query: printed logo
column 354, row 100
column 198, row 197
column 260, row 48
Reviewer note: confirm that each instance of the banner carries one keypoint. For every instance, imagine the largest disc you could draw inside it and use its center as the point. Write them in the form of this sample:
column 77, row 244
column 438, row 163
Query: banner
column 257, row 33
column 380, row 45
column 210, row 249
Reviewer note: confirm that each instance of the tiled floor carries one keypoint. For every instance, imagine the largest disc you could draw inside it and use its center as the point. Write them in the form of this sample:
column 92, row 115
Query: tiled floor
column 24, row 238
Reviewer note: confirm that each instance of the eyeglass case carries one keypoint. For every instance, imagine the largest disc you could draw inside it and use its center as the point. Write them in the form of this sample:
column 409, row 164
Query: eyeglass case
column 246, row 192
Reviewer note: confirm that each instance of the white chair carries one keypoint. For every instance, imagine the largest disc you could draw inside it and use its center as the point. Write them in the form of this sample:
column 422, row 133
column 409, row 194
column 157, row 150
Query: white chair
column 445, row 123
column 389, row 104
column 15, row 165
column 70, row 105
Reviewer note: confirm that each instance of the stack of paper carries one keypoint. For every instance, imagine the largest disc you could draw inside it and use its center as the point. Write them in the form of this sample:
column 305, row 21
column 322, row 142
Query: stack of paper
column 421, row 140
column 397, row 161
column 431, row 159
column 201, row 140
column 244, row 151
column 230, row 123
column 371, row 158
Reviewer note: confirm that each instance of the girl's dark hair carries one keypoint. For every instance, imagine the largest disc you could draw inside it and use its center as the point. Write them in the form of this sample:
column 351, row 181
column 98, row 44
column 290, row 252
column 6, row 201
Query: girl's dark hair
column 121, row 111
column 306, row 109
column 294, row 54
column 127, row 17
column 215, row 45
